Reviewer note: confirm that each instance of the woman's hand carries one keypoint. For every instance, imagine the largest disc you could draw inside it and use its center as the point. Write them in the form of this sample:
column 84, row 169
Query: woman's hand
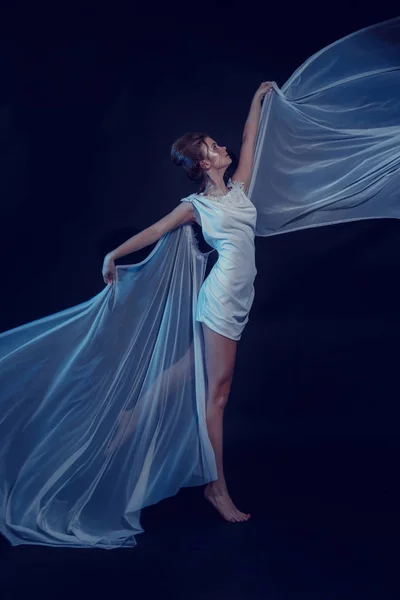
column 108, row 271
column 264, row 88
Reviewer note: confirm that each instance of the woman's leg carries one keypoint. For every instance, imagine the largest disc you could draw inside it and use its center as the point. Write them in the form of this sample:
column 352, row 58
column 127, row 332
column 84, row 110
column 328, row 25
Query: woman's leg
column 129, row 419
column 220, row 355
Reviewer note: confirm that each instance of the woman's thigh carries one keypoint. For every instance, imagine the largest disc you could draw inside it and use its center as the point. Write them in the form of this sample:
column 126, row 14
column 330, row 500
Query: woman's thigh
column 220, row 356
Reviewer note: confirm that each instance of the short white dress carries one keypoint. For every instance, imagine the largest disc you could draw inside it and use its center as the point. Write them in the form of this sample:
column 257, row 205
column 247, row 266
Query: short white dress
column 228, row 224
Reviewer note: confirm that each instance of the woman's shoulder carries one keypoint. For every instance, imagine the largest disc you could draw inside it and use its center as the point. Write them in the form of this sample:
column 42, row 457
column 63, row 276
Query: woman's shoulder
column 189, row 198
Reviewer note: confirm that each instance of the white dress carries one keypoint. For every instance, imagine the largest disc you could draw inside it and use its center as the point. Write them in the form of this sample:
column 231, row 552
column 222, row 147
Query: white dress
column 227, row 294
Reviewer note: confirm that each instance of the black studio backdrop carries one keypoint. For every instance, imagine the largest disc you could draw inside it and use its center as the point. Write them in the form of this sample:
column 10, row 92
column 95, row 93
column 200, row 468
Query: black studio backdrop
column 92, row 99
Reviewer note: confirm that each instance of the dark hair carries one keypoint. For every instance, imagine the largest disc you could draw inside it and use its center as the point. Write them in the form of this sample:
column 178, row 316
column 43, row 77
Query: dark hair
column 187, row 152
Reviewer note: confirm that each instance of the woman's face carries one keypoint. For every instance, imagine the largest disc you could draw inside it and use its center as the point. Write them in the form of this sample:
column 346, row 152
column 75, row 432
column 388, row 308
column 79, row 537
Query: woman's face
column 216, row 156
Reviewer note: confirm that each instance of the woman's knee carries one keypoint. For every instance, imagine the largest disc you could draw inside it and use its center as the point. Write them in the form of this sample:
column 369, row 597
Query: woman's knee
column 219, row 394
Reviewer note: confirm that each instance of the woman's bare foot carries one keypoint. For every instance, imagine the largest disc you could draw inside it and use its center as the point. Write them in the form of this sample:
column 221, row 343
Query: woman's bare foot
column 224, row 505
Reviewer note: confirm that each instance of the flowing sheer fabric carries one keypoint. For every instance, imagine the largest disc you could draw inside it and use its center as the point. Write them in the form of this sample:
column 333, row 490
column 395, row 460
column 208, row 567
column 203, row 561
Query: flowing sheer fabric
column 328, row 148
column 102, row 406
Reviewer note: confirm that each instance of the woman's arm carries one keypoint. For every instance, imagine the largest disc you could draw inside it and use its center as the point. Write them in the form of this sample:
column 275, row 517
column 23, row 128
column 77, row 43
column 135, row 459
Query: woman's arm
column 245, row 166
column 183, row 213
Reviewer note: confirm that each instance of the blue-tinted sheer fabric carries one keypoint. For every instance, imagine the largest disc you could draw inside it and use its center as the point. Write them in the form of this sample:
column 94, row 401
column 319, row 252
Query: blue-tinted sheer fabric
column 102, row 406
column 328, row 148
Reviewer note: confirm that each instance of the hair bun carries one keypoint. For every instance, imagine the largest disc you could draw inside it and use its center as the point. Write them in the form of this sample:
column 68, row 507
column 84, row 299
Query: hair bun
column 187, row 152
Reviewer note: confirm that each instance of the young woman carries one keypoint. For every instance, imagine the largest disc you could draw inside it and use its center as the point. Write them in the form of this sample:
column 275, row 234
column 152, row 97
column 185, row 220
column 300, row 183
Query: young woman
column 228, row 219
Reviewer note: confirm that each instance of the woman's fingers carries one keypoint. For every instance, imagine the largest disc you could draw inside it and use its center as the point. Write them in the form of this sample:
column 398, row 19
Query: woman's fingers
column 108, row 276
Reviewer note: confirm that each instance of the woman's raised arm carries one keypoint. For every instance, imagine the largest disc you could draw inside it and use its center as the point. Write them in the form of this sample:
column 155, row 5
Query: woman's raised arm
column 245, row 166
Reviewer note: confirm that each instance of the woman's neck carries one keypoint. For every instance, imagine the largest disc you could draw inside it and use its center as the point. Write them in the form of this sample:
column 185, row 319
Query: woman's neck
column 216, row 187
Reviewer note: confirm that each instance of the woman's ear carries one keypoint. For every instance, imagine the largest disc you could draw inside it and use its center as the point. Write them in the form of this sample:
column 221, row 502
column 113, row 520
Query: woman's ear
column 205, row 164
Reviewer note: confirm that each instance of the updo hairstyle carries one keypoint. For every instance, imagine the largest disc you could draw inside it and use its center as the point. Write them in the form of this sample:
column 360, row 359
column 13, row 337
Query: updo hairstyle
column 187, row 152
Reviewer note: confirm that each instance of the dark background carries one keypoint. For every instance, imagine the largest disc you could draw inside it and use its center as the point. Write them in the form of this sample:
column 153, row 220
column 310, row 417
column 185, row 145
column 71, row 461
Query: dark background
column 91, row 99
